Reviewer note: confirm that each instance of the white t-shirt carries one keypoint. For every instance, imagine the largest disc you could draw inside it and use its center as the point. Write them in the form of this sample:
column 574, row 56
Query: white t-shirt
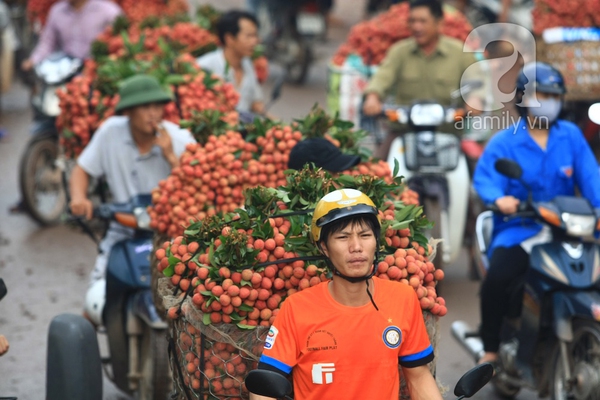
column 113, row 154
column 249, row 89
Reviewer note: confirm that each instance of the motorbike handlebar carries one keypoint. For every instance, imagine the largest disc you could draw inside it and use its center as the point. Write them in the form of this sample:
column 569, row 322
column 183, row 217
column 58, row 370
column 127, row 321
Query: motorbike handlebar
column 524, row 210
column 108, row 211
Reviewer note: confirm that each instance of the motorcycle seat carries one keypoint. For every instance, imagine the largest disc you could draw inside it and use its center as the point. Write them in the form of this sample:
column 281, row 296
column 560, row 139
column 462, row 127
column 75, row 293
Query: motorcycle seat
column 484, row 226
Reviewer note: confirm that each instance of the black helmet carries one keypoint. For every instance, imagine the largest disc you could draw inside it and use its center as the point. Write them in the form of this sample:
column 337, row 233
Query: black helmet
column 547, row 78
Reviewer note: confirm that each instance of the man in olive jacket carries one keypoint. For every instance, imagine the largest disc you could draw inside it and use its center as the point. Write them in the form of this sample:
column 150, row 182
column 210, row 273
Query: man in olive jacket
column 426, row 66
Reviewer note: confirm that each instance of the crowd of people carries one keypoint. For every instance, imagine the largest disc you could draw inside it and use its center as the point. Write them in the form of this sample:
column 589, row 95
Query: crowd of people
column 134, row 150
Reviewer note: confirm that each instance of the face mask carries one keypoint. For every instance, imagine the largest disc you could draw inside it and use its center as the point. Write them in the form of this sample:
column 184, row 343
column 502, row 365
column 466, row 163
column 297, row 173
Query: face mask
column 548, row 109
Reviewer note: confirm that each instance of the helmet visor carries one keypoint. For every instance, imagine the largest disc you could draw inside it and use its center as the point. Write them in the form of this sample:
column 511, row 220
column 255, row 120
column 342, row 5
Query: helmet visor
column 337, row 214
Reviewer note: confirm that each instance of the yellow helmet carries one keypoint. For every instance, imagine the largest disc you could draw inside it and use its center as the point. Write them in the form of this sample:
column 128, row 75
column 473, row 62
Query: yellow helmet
column 340, row 204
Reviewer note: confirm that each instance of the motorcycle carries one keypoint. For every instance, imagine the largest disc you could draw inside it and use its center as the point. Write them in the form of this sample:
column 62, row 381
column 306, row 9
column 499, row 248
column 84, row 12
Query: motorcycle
column 272, row 384
column 287, row 30
column 42, row 164
column 551, row 342
column 135, row 333
column 435, row 167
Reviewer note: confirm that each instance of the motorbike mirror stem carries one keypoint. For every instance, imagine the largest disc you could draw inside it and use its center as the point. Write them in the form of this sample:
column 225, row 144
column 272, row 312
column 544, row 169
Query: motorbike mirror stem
column 464, row 90
column 529, row 192
column 275, row 93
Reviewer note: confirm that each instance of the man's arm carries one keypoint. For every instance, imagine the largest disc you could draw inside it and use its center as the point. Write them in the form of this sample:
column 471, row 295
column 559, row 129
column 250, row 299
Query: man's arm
column 258, row 107
column 46, row 44
column 164, row 141
column 381, row 82
column 78, row 187
column 421, row 384
column 385, row 77
column 257, row 397
column 489, row 184
column 4, row 346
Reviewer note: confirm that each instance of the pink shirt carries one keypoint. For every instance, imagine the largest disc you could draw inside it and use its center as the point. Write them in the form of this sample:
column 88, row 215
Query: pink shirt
column 73, row 31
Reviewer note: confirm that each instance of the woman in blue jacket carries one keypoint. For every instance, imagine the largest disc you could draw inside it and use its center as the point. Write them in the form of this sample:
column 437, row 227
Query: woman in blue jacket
column 555, row 159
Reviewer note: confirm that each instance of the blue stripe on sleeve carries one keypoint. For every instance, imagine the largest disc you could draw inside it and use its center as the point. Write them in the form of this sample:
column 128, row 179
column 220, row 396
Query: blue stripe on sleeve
column 417, row 356
column 275, row 363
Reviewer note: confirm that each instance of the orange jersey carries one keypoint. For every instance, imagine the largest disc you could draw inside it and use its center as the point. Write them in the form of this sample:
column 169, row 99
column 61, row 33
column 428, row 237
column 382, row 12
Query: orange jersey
column 334, row 351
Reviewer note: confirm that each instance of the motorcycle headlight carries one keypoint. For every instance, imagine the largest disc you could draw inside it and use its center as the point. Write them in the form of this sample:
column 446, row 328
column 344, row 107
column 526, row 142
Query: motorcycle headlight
column 50, row 102
column 579, row 225
column 142, row 217
column 427, row 114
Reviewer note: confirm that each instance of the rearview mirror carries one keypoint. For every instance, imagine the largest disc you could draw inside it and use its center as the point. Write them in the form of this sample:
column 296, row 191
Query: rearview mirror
column 276, row 92
column 594, row 113
column 3, row 289
column 268, row 383
column 508, row 168
column 473, row 380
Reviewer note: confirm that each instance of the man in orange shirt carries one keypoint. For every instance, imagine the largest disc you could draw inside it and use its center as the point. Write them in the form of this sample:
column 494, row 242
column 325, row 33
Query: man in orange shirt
column 337, row 339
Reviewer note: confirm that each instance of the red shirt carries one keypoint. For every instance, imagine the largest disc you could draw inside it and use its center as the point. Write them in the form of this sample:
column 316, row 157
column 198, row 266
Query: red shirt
column 335, row 351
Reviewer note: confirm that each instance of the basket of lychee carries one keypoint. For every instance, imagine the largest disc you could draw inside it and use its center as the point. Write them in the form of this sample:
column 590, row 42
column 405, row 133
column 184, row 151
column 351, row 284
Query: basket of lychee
column 229, row 273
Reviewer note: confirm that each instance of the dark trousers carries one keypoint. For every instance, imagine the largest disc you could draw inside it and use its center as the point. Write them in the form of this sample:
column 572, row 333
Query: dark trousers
column 507, row 268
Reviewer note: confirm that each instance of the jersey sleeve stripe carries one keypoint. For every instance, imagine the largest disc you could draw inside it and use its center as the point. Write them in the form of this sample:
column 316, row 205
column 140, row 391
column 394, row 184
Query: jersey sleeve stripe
column 417, row 356
column 286, row 369
column 417, row 363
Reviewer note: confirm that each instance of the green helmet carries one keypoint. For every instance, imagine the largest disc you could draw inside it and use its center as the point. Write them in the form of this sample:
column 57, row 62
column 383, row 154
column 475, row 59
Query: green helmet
column 139, row 90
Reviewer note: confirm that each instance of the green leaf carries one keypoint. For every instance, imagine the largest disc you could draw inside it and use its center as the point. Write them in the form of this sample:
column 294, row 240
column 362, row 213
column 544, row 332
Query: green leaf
column 396, row 168
column 296, row 241
column 402, row 225
column 211, row 255
column 174, row 80
column 245, row 283
column 245, row 307
column 206, row 319
column 403, row 213
column 346, row 180
column 235, row 316
column 169, row 271
column 421, row 239
column 206, row 293
column 246, row 327
column 191, row 232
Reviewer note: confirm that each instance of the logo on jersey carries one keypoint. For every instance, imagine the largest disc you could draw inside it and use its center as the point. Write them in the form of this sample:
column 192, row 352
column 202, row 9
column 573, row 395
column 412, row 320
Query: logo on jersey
column 271, row 336
column 322, row 373
column 392, row 336
column 321, row 340
column 567, row 170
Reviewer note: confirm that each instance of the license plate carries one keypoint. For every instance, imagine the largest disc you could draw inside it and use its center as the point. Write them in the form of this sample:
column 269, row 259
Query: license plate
column 310, row 24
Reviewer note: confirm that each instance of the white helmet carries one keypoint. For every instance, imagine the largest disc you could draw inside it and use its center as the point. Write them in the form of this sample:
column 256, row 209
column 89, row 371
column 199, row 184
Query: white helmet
column 94, row 301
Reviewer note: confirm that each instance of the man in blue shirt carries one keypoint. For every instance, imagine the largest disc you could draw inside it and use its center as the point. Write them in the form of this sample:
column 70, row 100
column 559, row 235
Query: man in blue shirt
column 555, row 159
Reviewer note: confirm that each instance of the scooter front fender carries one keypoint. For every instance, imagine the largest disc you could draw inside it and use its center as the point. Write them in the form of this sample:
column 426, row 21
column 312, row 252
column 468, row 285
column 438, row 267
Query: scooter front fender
column 570, row 305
